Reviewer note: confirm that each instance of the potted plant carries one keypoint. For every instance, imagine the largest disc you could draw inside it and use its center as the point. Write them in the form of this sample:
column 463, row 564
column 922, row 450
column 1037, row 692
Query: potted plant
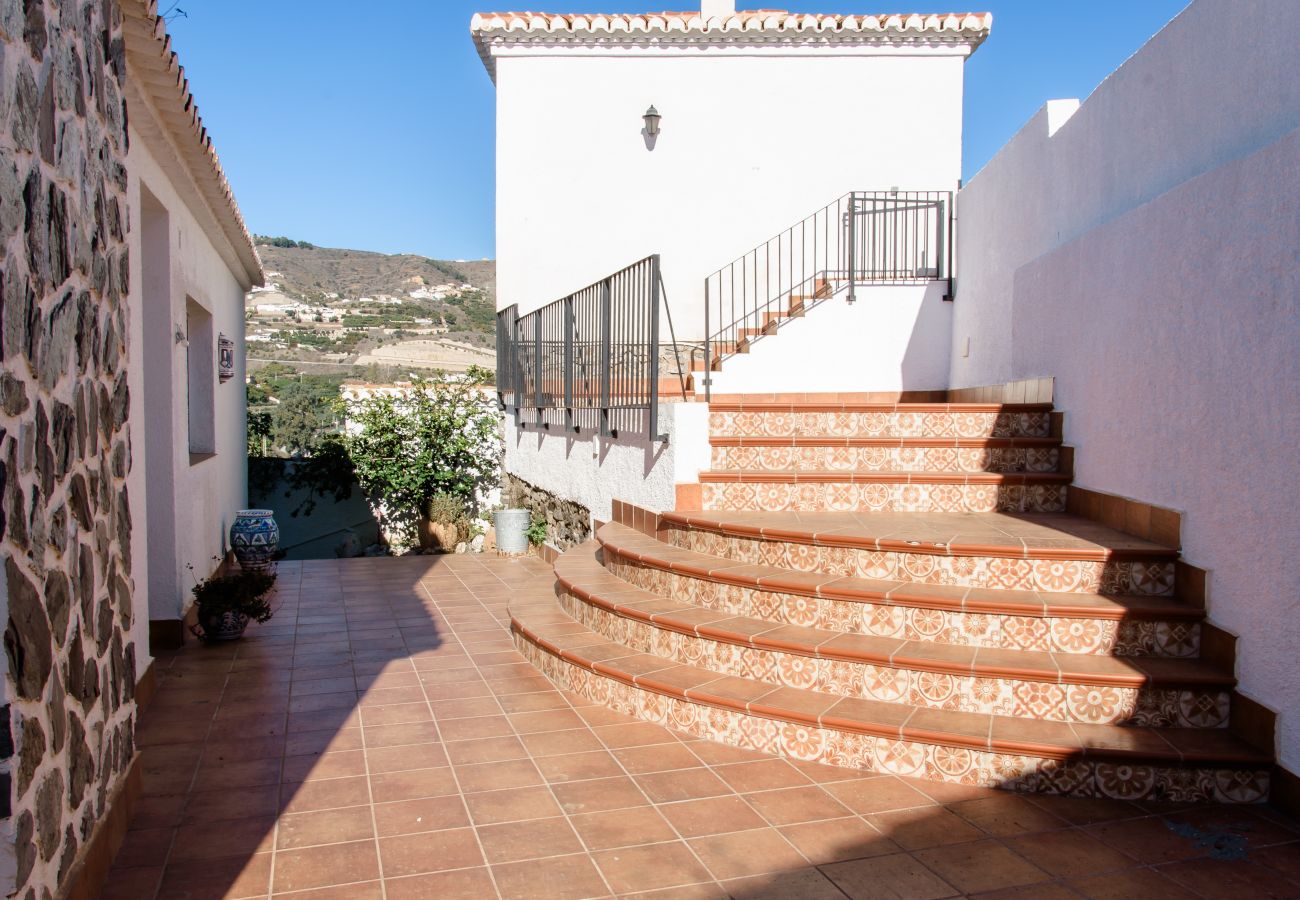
column 444, row 523
column 226, row 603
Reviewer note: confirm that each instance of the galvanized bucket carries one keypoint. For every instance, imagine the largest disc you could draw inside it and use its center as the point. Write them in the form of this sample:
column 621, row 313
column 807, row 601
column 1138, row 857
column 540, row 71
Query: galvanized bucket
column 512, row 527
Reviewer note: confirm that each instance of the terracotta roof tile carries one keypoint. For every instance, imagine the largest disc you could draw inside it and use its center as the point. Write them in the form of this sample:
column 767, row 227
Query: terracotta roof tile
column 149, row 49
column 758, row 24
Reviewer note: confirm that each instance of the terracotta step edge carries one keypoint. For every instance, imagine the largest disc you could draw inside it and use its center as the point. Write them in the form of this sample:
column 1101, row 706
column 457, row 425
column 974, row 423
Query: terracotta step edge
column 1245, row 757
column 864, row 406
column 719, row 569
column 897, row 653
column 797, row 476
column 942, row 443
column 701, row 521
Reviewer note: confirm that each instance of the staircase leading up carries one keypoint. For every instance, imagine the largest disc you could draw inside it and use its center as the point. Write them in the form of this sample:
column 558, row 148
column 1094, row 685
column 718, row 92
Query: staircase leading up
column 895, row 587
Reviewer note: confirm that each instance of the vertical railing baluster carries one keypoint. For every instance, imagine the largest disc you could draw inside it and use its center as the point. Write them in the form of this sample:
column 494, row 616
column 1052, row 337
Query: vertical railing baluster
column 605, row 304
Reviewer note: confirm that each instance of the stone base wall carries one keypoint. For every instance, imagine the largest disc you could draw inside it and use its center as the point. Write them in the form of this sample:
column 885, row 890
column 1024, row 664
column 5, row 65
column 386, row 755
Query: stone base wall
column 567, row 523
column 65, row 450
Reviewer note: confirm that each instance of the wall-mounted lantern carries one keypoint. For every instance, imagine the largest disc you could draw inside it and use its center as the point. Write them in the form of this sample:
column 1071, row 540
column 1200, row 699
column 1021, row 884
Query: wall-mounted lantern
column 652, row 118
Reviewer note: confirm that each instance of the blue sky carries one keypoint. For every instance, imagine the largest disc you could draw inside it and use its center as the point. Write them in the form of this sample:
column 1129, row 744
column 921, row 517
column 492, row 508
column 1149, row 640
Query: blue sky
column 370, row 126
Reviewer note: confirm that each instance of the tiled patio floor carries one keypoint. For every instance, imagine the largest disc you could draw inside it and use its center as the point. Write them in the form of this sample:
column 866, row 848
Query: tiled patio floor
column 380, row 738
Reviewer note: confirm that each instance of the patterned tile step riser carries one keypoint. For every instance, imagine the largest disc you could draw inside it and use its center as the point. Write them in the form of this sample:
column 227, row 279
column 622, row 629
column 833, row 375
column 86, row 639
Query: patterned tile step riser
column 1097, row 637
column 911, row 759
column 880, row 424
column 843, row 497
column 1001, row 696
column 1144, row 577
column 887, row 459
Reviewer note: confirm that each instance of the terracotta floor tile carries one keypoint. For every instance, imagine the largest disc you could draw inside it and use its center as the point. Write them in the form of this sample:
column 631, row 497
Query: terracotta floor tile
column 837, row 840
column 330, row 826
column 682, row 784
column 322, row 766
column 791, row 805
column 1223, row 879
column 332, row 794
column 132, row 883
column 379, row 736
column 237, row 877
column 1282, row 858
column 762, row 775
column 546, row 720
column 412, row 784
column 401, row 759
column 515, row 805
column 210, row 806
column 212, row 840
column 557, row 878
column 1044, row 891
column 926, row 826
column 537, row 838
column 435, row 851
column 599, row 794
column 898, row 875
column 554, row 743
column 425, row 814
column 297, row 870
column 650, row 866
column 877, row 795
column 496, row 776
column 1149, row 841
column 634, row 734
column 145, row 847
column 473, row 728
column 808, row 884
column 486, row 750
column 579, row 766
column 1069, row 853
column 397, row 714
column 1130, row 884
column 980, row 866
column 744, row 853
column 1006, row 816
column 657, row 758
column 368, row 890
column 622, row 828
column 713, row 815
column 463, row 884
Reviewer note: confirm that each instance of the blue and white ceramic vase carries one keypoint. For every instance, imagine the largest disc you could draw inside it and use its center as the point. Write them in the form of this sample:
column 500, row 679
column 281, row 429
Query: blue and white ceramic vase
column 255, row 537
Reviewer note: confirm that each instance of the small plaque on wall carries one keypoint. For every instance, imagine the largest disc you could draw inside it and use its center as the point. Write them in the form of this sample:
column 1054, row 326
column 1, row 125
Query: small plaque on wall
column 225, row 358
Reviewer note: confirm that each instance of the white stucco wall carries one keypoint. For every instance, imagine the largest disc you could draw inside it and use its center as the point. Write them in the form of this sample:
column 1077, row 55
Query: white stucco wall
column 202, row 493
column 1144, row 251
column 594, row 471
column 892, row 338
column 750, row 143
column 1217, row 83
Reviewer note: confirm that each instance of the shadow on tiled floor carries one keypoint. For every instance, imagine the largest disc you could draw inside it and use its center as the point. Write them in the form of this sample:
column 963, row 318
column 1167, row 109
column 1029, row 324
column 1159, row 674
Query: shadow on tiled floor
column 380, row 738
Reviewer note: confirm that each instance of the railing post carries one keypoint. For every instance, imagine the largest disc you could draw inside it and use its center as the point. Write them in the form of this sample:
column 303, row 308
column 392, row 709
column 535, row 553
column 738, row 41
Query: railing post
column 537, row 365
column 606, row 306
column 708, row 366
column 568, row 362
column 653, row 349
column 853, row 246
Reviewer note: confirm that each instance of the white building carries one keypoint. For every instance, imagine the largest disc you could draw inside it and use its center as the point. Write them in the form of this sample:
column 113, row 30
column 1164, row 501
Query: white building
column 192, row 262
column 1117, row 288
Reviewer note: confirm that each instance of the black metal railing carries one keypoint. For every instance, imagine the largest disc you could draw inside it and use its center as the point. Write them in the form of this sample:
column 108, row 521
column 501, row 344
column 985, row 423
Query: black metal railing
column 589, row 361
column 864, row 237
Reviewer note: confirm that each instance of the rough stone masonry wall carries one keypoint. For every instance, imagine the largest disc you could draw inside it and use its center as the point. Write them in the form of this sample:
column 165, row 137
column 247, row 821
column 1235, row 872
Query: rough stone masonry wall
column 567, row 523
column 65, row 524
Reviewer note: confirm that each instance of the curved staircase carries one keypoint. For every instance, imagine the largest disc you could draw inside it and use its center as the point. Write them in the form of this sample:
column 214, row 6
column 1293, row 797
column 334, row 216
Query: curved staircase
column 895, row 587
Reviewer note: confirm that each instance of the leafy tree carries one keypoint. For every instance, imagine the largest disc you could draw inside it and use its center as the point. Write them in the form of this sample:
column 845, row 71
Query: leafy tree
column 303, row 417
column 442, row 437
column 259, row 431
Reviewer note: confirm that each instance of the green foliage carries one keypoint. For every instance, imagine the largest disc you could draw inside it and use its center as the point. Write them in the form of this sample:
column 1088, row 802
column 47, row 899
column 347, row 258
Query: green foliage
column 441, row 437
column 306, row 413
column 259, row 430
column 243, row 592
column 290, row 243
column 536, row 531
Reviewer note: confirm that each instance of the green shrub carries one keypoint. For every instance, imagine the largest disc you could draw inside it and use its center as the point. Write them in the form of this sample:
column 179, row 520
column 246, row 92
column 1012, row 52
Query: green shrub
column 242, row 592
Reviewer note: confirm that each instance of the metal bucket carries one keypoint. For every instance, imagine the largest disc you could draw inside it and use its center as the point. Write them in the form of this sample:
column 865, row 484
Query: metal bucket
column 512, row 527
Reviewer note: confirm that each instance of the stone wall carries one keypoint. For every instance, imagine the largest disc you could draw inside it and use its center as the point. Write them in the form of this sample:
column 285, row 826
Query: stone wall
column 567, row 523
column 65, row 523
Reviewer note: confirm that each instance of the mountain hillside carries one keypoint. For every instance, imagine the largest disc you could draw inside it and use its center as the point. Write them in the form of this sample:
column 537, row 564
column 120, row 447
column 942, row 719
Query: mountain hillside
column 313, row 273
